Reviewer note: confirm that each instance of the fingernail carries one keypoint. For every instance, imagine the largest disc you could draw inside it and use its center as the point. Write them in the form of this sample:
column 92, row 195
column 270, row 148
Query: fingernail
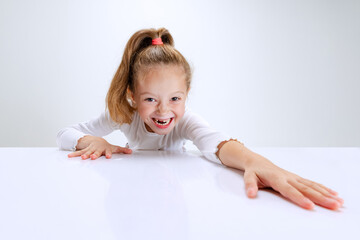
column 309, row 204
column 341, row 200
column 336, row 205
column 333, row 204
column 333, row 192
column 250, row 192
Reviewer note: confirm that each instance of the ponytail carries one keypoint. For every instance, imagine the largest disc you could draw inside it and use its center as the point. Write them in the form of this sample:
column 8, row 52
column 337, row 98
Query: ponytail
column 139, row 53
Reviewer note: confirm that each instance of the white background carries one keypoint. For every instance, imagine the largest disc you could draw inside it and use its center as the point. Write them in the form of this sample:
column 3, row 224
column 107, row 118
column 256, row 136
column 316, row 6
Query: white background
column 271, row 73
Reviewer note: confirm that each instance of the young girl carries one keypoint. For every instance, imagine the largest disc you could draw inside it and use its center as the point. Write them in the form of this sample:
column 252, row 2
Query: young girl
column 146, row 101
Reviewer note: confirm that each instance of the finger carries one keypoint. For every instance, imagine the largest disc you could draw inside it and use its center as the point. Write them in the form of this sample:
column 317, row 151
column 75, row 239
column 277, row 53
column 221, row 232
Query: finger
column 327, row 189
column 251, row 184
column 108, row 153
column 316, row 196
column 322, row 189
column 87, row 154
column 294, row 195
column 118, row 149
column 95, row 155
column 75, row 154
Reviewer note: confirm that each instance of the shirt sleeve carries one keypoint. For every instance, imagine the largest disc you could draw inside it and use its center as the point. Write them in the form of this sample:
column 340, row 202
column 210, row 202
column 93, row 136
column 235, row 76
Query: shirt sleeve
column 206, row 139
column 68, row 137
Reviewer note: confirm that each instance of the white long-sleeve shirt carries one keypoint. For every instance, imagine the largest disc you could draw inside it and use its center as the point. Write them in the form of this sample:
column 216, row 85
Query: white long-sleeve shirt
column 190, row 127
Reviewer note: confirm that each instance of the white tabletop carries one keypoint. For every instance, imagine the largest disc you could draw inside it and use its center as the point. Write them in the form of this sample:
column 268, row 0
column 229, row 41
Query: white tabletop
column 168, row 195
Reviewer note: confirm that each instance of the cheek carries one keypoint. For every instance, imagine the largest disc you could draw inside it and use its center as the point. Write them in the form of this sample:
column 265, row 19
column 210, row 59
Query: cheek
column 179, row 109
column 144, row 110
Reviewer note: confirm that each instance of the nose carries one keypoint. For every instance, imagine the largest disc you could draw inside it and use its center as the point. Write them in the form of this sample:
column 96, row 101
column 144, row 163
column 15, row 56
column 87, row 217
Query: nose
column 162, row 107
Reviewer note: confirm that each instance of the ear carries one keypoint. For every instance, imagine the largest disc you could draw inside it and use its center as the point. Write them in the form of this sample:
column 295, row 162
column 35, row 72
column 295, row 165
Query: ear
column 130, row 95
column 187, row 92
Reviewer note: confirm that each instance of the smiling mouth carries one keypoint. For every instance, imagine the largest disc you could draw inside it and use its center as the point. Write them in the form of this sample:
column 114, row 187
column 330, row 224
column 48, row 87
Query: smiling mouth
column 162, row 123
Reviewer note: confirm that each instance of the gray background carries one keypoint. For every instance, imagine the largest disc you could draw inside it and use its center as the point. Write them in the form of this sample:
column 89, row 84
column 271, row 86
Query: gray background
column 271, row 73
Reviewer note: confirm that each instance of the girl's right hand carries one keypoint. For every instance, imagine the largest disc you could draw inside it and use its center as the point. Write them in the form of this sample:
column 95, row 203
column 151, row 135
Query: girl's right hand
column 93, row 147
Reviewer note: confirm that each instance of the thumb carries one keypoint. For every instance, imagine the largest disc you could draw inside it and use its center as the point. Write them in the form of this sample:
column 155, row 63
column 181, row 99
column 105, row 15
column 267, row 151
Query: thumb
column 251, row 185
column 118, row 149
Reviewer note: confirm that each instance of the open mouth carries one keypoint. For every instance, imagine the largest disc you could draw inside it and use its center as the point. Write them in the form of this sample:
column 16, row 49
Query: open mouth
column 162, row 123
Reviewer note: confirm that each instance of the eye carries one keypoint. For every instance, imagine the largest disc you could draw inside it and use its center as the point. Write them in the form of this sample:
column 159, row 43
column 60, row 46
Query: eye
column 175, row 99
column 150, row 100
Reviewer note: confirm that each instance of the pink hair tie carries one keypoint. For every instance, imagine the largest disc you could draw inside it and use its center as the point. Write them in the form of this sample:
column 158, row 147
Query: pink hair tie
column 157, row 41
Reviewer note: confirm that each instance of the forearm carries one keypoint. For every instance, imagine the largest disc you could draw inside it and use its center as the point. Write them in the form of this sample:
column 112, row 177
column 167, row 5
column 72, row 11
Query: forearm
column 67, row 138
column 236, row 155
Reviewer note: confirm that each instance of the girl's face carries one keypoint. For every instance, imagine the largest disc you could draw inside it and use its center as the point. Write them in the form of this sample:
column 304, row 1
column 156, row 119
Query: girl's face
column 160, row 96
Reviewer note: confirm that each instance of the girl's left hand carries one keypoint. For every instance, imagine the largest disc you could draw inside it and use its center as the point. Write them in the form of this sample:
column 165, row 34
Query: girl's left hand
column 261, row 173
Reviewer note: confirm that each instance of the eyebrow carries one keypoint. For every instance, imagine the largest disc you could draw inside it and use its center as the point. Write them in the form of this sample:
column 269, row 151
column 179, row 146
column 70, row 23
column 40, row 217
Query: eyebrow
column 155, row 94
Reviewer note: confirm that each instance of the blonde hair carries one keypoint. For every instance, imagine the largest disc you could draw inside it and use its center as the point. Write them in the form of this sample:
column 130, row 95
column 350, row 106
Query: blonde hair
column 139, row 55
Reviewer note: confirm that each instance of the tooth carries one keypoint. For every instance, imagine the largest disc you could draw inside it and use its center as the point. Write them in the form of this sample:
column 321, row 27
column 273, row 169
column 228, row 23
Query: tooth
column 163, row 122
